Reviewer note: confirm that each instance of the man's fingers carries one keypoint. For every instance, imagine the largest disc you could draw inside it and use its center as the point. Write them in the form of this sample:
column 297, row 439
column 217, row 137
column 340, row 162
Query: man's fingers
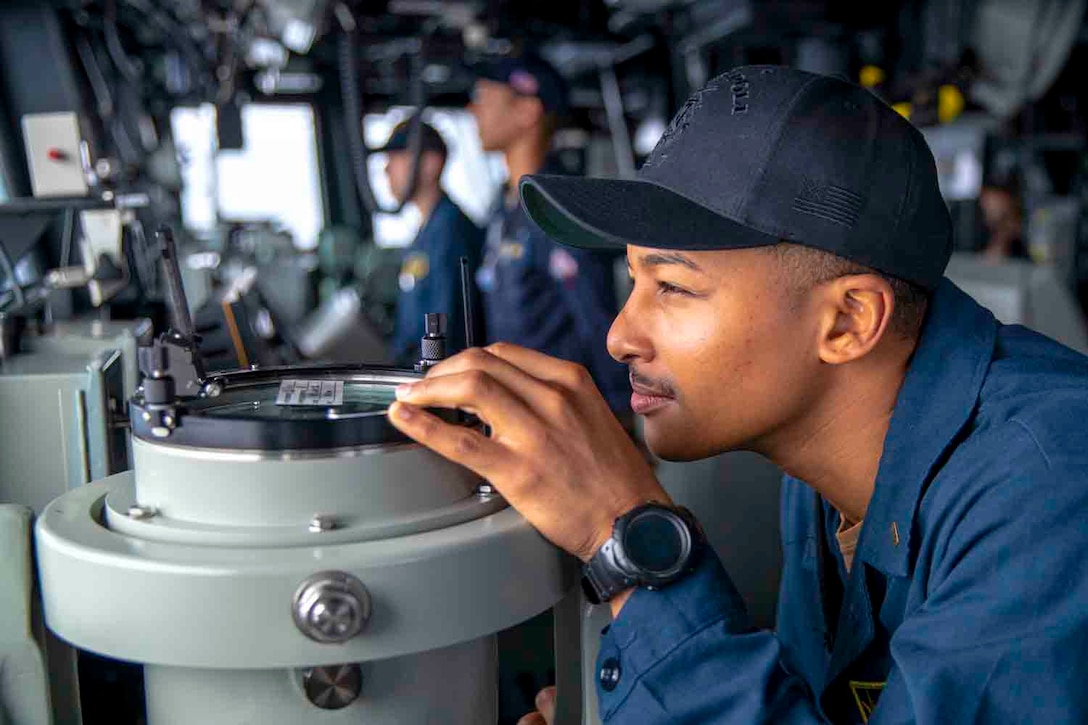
column 470, row 448
column 560, row 372
column 537, row 391
column 545, row 704
column 545, row 709
column 476, row 392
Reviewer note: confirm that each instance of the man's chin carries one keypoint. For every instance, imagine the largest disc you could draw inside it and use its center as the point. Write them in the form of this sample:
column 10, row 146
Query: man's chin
column 673, row 445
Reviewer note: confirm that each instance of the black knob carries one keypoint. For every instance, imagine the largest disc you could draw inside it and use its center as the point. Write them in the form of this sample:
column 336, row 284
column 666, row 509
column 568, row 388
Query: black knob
column 434, row 324
column 432, row 348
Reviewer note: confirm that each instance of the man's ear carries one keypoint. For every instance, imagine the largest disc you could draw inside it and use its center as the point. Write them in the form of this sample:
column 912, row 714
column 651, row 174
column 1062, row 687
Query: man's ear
column 528, row 110
column 855, row 315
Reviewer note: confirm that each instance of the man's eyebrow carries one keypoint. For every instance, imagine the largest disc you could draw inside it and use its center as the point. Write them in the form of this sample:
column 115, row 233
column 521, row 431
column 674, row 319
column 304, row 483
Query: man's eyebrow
column 661, row 258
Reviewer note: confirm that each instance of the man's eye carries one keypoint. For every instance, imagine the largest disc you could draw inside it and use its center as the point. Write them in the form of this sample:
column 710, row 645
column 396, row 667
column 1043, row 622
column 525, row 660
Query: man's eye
column 668, row 289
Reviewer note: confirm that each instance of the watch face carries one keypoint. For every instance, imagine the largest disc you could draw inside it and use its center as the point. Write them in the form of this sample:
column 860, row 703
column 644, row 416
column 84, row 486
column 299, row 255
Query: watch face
column 656, row 542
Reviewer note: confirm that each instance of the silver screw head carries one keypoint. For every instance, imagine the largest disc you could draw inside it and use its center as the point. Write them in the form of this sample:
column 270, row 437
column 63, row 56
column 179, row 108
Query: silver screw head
column 213, row 390
column 141, row 513
column 321, row 523
column 331, row 607
column 485, row 491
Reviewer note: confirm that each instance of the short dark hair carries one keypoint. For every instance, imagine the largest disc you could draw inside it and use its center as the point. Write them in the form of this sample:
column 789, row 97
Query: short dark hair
column 806, row 267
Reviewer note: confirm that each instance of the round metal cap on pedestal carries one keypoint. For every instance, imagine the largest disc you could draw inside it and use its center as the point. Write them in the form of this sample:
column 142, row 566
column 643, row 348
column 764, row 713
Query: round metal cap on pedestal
column 333, row 687
column 331, row 606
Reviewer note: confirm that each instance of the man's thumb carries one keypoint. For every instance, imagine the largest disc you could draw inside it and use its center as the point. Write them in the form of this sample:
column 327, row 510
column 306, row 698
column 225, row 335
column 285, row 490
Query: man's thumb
column 545, row 704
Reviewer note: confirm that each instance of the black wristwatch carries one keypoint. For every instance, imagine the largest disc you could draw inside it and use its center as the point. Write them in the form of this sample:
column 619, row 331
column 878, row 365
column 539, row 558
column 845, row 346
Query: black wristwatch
column 652, row 546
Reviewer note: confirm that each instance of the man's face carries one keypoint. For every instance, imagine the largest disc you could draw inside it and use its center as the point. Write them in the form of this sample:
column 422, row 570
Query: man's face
column 722, row 355
column 494, row 106
column 998, row 207
column 398, row 169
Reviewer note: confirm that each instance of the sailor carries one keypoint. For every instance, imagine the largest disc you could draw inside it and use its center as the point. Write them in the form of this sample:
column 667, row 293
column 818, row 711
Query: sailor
column 787, row 241
column 430, row 274
column 536, row 293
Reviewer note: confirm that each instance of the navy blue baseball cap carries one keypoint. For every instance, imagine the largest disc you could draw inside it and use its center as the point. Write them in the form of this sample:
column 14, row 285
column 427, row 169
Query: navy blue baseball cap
column 528, row 75
column 429, row 138
column 763, row 155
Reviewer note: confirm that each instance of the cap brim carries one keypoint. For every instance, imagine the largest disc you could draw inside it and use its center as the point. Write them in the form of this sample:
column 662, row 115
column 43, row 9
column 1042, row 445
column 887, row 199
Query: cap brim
column 612, row 213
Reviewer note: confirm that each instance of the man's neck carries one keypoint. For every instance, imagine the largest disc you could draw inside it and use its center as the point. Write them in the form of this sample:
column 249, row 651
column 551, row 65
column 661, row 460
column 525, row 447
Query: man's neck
column 426, row 200
column 524, row 156
column 836, row 449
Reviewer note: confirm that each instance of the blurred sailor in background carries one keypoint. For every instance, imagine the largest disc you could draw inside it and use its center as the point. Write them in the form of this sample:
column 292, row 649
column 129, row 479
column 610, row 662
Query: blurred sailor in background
column 535, row 293
column 430, row 274
column 1002, row 217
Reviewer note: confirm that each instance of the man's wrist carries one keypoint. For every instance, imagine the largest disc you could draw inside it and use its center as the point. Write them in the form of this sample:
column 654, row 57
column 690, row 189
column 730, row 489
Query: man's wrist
column 617, row 602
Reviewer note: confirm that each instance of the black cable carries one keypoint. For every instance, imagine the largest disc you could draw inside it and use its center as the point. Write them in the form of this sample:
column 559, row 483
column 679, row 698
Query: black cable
column 129, row 69
column 353, row 118
column 100, row 89
column 67, row 235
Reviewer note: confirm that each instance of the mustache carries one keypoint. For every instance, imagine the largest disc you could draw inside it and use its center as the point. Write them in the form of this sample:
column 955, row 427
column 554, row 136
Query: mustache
column 654, row 386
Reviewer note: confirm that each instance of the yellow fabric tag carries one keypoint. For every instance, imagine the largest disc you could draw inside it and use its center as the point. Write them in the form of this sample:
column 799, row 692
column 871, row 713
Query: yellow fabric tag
column 416, row 265
column 866, row 695
column 512, row 250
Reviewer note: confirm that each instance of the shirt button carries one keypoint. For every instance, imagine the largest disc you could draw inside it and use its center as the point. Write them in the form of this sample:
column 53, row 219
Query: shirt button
column 609, row 675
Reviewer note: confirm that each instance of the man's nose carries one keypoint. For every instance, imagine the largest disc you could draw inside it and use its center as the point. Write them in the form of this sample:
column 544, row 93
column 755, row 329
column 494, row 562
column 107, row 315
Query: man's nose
column 626, row 339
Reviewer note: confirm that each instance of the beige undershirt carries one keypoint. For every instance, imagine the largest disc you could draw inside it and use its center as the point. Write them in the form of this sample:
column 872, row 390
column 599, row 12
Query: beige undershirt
column 847, row 536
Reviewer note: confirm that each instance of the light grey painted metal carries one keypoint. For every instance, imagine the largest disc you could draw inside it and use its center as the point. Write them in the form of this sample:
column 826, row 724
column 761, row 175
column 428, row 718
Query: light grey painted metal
column 96, row 407
column 193, row 606
column 24, row 691
column 42, row 441
column 88, row 338
column 250, row 490
column 451, row 685
column 1021, row 293
column 54, row 417
column 594, row 619
column 567, row 615
column 150, row 524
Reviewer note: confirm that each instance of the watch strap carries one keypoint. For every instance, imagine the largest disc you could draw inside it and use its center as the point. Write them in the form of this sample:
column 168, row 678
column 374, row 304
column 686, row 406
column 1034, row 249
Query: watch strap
column 602, row 576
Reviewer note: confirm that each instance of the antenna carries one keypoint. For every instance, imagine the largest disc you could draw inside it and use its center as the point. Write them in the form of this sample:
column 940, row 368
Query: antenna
column 466, row 304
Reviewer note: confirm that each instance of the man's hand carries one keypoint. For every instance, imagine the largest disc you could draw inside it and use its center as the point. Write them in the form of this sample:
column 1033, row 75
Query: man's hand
column 545, row 709
column 556, row 451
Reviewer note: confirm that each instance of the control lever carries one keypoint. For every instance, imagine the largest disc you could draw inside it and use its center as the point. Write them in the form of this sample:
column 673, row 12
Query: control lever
column 183, row 333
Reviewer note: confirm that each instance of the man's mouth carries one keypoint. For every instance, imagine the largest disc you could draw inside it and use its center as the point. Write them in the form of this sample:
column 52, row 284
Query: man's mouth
column 649, row 396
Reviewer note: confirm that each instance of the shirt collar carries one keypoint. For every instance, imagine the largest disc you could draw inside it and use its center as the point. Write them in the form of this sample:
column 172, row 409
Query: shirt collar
column 935, row 402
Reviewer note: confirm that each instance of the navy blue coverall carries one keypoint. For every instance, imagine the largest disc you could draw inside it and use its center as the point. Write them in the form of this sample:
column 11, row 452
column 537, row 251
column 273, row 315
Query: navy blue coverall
column 430, row 279
column 967, row 601
column 554, row 299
